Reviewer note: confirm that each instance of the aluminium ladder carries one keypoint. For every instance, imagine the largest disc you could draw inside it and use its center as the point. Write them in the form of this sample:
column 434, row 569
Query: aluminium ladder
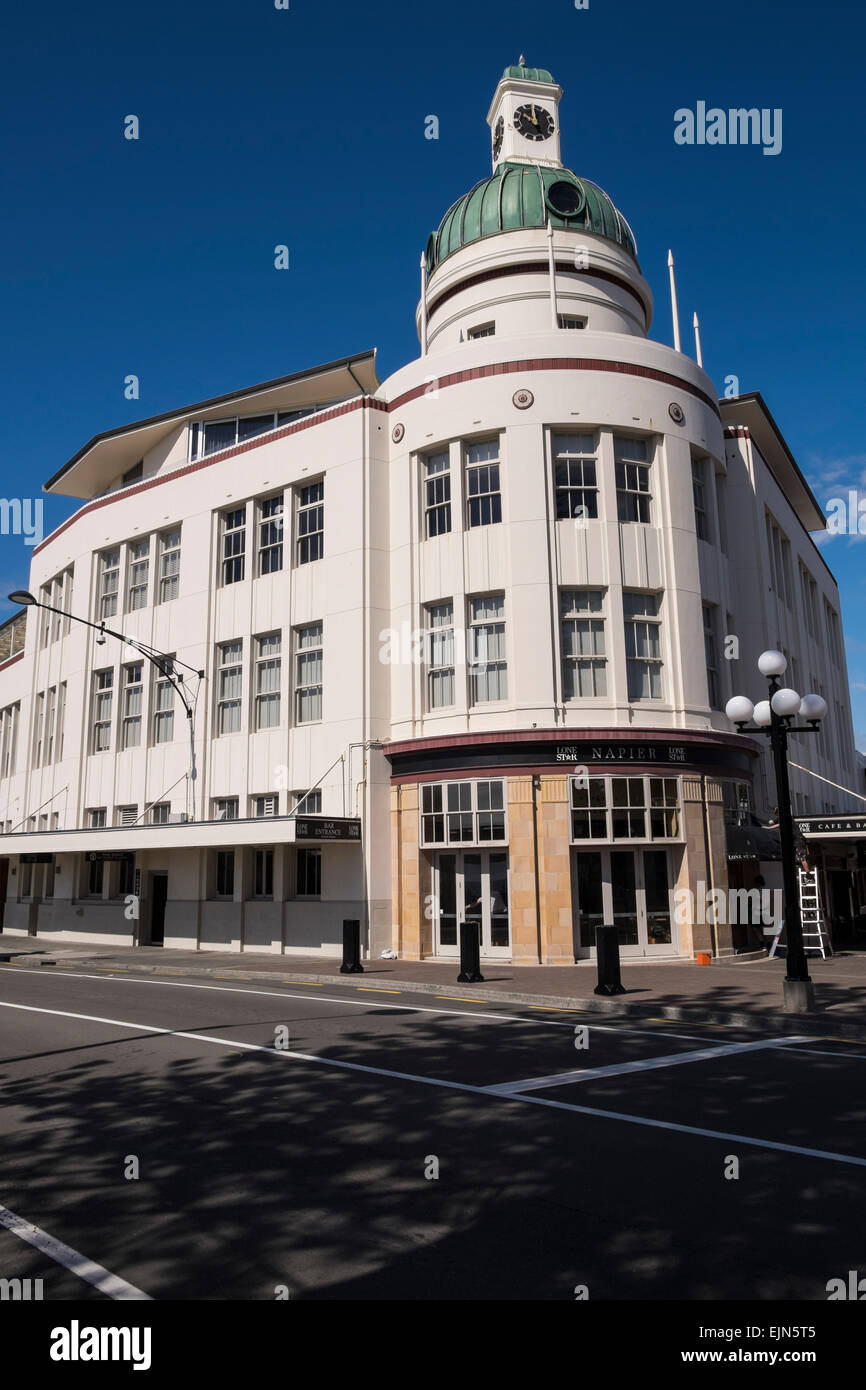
column 815, row 935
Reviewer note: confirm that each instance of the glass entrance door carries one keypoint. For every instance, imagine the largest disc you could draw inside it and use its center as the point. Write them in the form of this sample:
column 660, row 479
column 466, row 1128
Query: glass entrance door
column 472, row 886
column 629, row 889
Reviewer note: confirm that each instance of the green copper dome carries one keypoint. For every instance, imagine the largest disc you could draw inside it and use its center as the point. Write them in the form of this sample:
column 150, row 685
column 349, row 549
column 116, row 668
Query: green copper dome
column 527, row 195
column 525, row 74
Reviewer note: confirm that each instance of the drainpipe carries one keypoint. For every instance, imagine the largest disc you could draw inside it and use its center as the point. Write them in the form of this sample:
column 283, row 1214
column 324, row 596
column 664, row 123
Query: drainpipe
column 707, row 857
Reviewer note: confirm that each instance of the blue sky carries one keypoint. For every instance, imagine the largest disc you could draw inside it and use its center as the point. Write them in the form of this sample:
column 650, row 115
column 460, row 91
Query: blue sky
column 305, row 126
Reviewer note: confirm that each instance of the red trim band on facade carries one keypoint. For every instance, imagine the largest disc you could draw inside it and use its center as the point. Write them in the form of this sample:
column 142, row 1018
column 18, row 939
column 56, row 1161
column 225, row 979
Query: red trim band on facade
column 10, row 660
column 577, row 735
column 536, row 268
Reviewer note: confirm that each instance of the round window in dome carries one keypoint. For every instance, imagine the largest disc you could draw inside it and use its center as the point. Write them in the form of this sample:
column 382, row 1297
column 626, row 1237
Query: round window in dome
column 565, row 199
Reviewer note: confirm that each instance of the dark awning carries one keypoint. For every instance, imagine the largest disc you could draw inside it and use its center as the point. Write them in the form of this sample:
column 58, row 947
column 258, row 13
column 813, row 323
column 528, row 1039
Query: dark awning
column 752, row 842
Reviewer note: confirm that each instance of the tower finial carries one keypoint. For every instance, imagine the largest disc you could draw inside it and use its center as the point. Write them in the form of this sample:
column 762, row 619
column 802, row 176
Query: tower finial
column 521, row 61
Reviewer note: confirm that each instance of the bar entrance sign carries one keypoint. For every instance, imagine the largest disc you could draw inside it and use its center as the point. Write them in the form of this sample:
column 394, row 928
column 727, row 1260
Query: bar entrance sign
column 325, row 828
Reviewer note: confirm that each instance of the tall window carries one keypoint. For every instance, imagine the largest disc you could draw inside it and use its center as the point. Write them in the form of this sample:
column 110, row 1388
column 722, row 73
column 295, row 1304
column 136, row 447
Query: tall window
column 103, row 691
column 229, row 686
column 311, row 522
column 11, row 719
column 309, row 873
column 61, row 720
column 699, row 493
column 234, row 544
column 722, row 510
column 584, row 661
column 437, row 494
column 163, row 705
column 263, row 878
column 137, row 577
column 575, row 475
column 488, row 667
column 67, row 599
column 45, row 616
column 779, row 548
column 38, row 729
column 50, row 709
column 632, row 468
column 132, row 702
column 267, row 687
column 643, row 646
column 308, row 674
column 831, row 618
column 225, row 873
column 440, row 655
column 483, row 497
column 810, row 603
column 109, row 579
column 271, row 535
column 712, row 656
column 169, row 565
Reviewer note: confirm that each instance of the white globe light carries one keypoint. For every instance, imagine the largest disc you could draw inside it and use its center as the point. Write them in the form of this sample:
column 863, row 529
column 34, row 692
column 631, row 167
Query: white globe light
column 813, row 707
column 785, row 702
column 763, row 714
column 772, row 663
column 739, row 710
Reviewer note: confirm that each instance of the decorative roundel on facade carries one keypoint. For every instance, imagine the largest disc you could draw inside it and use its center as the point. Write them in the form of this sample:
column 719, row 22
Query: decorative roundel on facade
column 566, row 199
column 676, row 413
column 523, row 399
column 397, row 433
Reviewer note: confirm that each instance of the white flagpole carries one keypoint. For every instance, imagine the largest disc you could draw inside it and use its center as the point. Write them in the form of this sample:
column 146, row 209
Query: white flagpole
column 674, row 310
column 423, row 305
column 554, row 318
column 698, row 353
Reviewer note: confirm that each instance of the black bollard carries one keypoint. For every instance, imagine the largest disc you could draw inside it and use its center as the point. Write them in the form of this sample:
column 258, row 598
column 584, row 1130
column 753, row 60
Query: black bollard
column 351, row 948
column 607, row 956
column 470, row 954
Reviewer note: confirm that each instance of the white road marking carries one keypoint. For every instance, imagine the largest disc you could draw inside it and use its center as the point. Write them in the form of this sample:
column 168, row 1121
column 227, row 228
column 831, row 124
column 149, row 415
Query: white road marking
column 673, row 1059
column 109, row 1284
column 458, row 1086
column 371, row 1004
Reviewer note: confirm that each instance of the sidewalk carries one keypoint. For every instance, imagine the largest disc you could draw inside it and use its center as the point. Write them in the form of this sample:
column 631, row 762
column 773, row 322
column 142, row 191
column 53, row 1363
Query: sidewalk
column 745, row 992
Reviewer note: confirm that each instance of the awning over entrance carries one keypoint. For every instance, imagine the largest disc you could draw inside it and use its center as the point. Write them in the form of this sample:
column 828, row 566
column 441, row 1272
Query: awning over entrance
column 752, row 842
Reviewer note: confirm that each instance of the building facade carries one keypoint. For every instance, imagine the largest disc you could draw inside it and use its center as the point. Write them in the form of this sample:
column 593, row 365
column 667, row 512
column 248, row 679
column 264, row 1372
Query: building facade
column 453, row 646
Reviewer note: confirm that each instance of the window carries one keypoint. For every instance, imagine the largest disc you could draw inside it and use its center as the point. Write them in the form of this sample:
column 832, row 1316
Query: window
column 488, row 668
column 308, row 674
column 96, row 818
column 125, row 815
column 456, row 813
column 263, row 883
column 307, row 803
column 109, row 579
column 103, row 691
column 225, row 808
column 311, row 522
column 234, row 544
column 45, row 616
column 132, row 700
column 137, row 578
column 722, row 510
column 643, row 646
column 38, row 730
column 625, row 808
column 575, row 477
column 208, row 436
column 169, row 565
column 267, row 678
column 95, row 874
column 712, row 656
column 810, row 603
column 779, row 549
column 11, row 720
column 57, row 602
column 736, row 803
column 632, row 468
column 225, row 873
column 570, row 321
column 160, row 814
column 131, row 474
column 309, row 875
column 67, row 600
column 271, row 535
column 50, row 707
column 440, row 655
column 229, row 687
column 484, row 330
column 437, row 494
column 699, row 493
column 163, row 704
column 584, row 663
column 831, row 618
column 265, row 806
column 483, row 498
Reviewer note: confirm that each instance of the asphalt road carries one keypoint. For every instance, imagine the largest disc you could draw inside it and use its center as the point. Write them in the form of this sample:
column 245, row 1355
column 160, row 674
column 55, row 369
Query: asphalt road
column 286, row 1137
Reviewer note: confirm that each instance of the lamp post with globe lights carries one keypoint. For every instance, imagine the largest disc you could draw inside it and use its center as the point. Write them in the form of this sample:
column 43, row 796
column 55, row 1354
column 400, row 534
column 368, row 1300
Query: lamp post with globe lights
column 774, row 718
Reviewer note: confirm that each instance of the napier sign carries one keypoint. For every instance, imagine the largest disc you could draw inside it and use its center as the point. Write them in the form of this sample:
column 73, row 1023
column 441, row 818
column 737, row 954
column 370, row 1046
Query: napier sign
column 623, row 753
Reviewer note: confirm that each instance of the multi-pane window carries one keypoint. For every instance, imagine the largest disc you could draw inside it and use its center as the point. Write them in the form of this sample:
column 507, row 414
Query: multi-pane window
column 103, row 692
column 625, row 808
column 137, row 575
column 584, row 662
column 38, row 729
column 831, row 618
column 267, row 680
column 160, row 813
column 263, row 878
column 736, row 803
column 483, row 330
column 576, row 480
column 45, row 616
column 309, row 873
column 95, row 875
column 308, row 803
column 67, row 599
column 488, row 667
column 699, row 494
column 57, row 602
column 483, row 497
column 810, row 602
column 271, row 535
column 109, row 580
column 711, row 653
column 266, row 806
column 163, row 703
column 570, row 321
column 229, row 686
column 311, row 522
column 779, row 551
column 308, row 674
column 440, row 655
column 209, row 436
column 233, row 545
column 50, row 715
column 455, row 813
column 132, row 702
column 437, row 494
column 169, row 565
column 10, row 719
column 225, row 873
column 225, row 808
column 722, row 511
column 643, row 645
column 632, row 468
column 96, row 818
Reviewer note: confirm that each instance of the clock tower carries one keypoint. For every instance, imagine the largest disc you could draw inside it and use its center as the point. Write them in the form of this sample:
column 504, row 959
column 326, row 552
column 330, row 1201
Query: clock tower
column 524, row 118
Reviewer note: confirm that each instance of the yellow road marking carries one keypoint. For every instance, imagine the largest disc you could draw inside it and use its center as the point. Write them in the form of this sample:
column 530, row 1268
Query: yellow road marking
column 368, row 989
column 558, row 1009
column 462, row 998
column 311, row 984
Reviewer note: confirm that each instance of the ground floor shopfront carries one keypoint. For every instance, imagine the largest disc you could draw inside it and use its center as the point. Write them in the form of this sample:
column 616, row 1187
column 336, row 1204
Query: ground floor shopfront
column 539, row 841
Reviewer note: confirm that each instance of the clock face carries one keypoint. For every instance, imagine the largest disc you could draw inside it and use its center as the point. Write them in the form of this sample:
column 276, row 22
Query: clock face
column 498, row 133
column 534, row 122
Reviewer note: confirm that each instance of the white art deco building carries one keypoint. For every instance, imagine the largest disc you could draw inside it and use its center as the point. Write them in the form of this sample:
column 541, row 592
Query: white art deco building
column 462, row 635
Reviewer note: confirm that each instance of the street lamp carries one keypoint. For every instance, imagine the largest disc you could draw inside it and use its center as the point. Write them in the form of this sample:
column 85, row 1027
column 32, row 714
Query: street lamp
column 164, row 663
column 774, row 718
